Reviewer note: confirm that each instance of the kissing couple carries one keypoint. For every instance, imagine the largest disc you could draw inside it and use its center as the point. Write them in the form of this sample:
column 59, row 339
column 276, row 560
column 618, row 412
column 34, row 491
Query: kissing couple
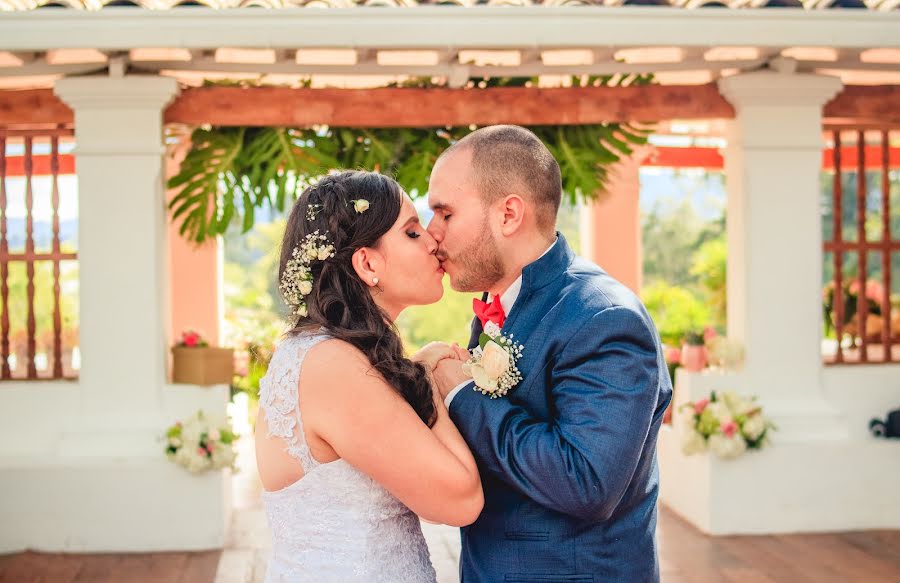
column 539, row 441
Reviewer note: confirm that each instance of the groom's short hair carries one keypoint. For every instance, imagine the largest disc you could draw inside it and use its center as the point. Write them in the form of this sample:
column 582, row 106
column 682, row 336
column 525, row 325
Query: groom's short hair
column 508, row 156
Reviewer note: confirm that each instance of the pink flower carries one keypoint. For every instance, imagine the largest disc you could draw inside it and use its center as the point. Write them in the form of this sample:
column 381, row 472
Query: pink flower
column 709, row 333
column 190, row 339
column 700, row 406
column 874, row 289
column 673, row 355
column 729, row 428
column 201, row 451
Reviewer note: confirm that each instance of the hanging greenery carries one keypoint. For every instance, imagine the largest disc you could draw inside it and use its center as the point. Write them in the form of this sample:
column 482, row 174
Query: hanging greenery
column 230, row 172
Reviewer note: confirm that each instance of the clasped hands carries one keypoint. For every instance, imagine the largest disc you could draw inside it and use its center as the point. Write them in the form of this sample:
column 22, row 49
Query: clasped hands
column 444, row 362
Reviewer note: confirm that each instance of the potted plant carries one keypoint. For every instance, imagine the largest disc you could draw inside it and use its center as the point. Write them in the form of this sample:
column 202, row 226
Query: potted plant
column 693, row 352
column 195, row 362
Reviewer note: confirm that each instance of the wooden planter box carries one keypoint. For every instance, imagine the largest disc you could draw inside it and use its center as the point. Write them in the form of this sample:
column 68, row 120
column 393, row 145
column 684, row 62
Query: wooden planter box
column 202, row 366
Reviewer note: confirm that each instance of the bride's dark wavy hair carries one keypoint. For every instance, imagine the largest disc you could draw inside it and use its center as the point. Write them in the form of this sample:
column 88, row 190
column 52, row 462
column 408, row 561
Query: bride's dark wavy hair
column 340, row 301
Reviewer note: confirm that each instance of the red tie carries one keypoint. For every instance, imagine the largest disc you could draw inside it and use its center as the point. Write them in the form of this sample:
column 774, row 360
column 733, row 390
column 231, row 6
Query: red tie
column 492, row 312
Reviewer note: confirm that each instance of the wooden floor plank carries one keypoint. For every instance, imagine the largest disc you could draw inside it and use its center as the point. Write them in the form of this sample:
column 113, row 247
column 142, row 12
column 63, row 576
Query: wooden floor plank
column 882, row 544
column 200, row 567
column 686, row 556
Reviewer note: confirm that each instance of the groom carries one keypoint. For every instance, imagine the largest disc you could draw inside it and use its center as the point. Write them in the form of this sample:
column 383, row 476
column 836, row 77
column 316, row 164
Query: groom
column 568, row 457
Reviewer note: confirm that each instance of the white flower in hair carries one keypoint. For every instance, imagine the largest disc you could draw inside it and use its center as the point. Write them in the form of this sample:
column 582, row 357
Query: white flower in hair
column 360, row 205
column 297, row 280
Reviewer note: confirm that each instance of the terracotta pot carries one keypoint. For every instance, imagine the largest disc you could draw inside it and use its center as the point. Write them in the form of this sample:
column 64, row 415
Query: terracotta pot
column 202, row 365
column 693, row 358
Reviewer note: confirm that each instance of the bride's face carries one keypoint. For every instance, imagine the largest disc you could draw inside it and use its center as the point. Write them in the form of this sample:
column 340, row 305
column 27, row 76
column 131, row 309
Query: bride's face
column 411, row 274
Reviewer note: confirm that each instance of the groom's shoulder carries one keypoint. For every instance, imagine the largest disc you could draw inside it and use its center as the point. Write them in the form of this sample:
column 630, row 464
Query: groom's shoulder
column 591, row 289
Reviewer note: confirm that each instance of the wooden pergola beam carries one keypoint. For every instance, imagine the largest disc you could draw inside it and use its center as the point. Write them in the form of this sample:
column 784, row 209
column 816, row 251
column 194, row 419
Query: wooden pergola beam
column 407, row 107
column 34, row 107
column 877, row 105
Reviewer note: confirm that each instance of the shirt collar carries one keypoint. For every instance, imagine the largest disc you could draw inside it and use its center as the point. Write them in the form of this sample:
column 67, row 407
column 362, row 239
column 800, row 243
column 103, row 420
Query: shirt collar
column 509, row 297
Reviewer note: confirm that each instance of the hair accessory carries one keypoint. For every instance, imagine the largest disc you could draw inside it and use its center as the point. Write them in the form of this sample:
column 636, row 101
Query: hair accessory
column 297, row 280
column 312, row 211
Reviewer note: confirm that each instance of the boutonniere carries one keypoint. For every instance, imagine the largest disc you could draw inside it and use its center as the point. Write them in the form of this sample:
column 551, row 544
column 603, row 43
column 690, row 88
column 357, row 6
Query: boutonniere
column 493, row 362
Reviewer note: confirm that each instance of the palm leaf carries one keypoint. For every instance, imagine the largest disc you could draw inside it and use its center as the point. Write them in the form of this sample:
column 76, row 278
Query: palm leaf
column 229, row 173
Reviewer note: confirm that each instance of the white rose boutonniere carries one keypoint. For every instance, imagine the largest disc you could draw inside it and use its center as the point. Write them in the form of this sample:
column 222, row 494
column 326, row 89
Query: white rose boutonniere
column 493, row 363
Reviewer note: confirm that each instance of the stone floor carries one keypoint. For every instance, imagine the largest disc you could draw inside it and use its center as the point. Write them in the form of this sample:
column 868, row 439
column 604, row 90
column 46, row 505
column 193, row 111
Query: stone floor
column 686, row 555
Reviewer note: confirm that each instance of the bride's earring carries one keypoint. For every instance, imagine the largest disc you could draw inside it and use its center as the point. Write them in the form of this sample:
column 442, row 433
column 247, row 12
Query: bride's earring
column 374, row 281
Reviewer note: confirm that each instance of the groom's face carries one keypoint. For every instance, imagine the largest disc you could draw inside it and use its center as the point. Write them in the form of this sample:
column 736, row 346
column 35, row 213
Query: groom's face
column 461, row 226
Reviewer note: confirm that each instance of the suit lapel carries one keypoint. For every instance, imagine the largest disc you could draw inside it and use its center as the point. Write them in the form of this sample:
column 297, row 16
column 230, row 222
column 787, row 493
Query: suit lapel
column 476, row 333
column 536, row 298
column 476, row 327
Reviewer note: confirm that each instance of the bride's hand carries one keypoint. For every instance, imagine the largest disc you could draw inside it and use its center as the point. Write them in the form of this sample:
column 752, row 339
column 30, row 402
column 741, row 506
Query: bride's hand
column 460, row 352
column 432, row 353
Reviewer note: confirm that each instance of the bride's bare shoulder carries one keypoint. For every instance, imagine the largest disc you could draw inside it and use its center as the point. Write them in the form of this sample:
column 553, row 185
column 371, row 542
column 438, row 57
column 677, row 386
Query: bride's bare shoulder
column 336, row 362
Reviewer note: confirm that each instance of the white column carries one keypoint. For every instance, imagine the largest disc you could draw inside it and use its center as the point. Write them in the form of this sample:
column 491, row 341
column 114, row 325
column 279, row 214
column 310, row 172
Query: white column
column 772, row 165
column 122, row 248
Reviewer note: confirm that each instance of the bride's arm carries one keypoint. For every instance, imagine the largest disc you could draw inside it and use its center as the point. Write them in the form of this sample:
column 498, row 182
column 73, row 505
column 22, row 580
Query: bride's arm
column 347, row 404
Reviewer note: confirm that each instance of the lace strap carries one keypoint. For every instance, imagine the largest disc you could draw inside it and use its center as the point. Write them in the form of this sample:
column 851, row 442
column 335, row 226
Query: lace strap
column 279, row 396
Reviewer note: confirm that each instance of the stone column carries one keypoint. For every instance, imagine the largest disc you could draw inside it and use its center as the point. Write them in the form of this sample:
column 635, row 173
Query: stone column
column 772, row 166
column 122, row 251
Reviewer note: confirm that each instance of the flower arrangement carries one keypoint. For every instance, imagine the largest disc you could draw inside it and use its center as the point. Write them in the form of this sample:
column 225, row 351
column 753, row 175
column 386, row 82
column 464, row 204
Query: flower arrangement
column 192, row 339
column 200, row 444
column 724, row 353
column 493, row 362
column 729, row 425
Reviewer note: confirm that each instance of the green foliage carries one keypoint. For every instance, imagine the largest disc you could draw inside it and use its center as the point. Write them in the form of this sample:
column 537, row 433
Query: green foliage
column 447, row 320
column 685, row 256
column 675, row 310
column 874, row 225
column 254, row 310
column 694, row 338
column 231, row 172
column 709, row 267
column 17, row 282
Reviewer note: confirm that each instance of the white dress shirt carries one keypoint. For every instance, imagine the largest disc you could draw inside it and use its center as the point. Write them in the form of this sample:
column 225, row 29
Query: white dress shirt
column 507, row 299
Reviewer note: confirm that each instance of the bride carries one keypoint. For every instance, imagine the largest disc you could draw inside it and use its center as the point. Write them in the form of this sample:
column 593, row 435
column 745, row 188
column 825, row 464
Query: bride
column 352, row 443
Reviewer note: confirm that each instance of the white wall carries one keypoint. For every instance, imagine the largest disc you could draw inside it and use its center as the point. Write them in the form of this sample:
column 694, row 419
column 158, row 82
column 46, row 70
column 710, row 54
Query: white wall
column 862, row 392
column 797, row 484
column 62, row 497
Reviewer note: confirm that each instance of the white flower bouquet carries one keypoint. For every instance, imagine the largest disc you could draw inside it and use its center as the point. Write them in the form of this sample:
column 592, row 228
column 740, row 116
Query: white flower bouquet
column 200, row 444
column 729, row 425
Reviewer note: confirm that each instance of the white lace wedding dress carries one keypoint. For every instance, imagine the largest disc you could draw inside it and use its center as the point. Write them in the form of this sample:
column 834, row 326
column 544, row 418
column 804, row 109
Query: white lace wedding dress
column 335, row 524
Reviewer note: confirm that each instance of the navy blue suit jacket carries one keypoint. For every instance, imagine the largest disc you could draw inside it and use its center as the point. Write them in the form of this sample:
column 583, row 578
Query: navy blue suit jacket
column 568, row 457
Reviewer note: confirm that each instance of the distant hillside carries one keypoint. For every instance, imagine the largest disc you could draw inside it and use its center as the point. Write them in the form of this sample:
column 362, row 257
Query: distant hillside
column 43, row 233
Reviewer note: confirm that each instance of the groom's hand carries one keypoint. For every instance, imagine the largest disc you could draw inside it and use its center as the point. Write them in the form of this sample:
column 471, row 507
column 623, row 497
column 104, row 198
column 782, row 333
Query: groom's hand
column 448, row 374
column 432, row 353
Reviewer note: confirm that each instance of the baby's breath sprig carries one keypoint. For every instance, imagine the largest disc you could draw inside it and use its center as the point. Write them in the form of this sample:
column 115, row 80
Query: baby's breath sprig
column 297, row 280
column 312, row 211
